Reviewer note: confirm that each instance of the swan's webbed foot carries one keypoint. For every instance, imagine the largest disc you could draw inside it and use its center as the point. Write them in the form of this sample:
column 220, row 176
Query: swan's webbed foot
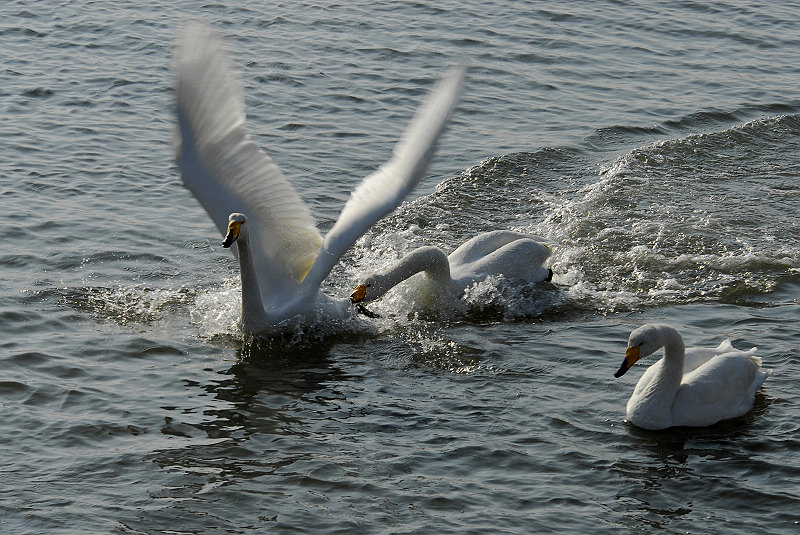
column 361, row 309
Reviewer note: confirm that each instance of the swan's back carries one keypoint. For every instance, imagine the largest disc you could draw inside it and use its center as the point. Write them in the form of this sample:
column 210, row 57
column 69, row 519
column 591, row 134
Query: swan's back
column 723, row 387
column 511, row 254
column 697, row 356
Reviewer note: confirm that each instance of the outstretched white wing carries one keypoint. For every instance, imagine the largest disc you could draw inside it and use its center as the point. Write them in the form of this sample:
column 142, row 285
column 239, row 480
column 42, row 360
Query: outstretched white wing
column 382, row 191
column 228, row 173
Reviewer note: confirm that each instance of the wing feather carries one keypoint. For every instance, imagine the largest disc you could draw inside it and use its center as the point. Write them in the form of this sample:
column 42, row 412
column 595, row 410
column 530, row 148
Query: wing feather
column 225, row 169
column 718, row 390
column 382, row 191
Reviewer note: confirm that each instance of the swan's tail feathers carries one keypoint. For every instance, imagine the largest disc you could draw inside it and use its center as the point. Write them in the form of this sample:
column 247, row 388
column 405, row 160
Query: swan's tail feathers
column 542, row 275
column 761, row 375
column 762, row 371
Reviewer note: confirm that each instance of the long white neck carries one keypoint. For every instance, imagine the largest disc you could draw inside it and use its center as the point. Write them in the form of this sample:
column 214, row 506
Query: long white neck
column 674, row 350
column 254, row 319
column 674, row 355
column 655, row 401
column 432, row 260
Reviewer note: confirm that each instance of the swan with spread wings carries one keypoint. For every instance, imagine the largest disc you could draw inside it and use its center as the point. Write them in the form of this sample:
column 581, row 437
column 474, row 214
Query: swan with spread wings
column 282, row 256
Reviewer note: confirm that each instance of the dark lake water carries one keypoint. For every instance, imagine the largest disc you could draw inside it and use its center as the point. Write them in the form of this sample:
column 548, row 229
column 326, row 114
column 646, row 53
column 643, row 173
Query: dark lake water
column 655, row 146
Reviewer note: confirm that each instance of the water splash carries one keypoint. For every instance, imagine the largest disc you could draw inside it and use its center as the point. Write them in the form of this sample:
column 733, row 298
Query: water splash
column 701, row 217
column 683, row 220
column 125, row 304
column 217, row 312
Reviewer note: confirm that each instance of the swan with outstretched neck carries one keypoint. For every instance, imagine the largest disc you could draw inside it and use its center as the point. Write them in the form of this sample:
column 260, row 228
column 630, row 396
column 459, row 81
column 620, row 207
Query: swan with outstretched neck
column 512, row 255
column 283, row 258
column 694, row 387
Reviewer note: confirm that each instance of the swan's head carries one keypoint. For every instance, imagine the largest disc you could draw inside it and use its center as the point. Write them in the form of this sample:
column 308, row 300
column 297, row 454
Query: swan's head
column 364, row 292
column 359, row 293
column 236, row 223
column 642, row 342
column 370, row 289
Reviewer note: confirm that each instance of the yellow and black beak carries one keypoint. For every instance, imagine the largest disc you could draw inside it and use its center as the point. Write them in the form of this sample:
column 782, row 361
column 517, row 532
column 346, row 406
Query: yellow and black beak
column 234, row 227
column 359, row 293
column 632, row 354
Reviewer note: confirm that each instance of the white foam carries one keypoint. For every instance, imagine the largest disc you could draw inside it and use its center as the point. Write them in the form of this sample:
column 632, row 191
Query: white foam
column 218, row 311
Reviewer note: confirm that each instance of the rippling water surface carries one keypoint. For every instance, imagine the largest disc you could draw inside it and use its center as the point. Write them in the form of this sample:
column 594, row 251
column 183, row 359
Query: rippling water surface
column 656, row 147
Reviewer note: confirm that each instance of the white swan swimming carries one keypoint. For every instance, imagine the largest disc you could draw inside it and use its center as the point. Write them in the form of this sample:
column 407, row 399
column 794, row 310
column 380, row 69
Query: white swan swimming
column 282, row 256
column 502, row 252
column 693, row 387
